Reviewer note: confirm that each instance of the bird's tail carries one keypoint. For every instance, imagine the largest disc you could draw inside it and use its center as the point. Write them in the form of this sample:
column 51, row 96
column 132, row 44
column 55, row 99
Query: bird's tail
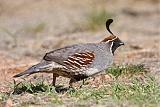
column 40, row 67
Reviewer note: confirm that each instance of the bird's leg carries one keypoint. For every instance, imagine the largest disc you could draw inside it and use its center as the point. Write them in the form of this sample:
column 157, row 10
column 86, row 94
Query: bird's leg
column 71, row 82
column 83, row 82
column 54, row 79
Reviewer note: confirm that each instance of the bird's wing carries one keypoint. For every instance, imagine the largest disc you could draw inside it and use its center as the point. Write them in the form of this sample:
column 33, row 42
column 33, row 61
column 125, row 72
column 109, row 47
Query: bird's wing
column 71, row 57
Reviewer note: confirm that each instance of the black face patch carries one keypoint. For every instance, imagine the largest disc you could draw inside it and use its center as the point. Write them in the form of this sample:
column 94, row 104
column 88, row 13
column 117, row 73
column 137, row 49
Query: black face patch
column 116, row 43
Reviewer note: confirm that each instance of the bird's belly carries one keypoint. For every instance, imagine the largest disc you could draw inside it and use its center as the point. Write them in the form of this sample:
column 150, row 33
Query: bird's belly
column 60, row 72
column 92, row 71
column 75, row 74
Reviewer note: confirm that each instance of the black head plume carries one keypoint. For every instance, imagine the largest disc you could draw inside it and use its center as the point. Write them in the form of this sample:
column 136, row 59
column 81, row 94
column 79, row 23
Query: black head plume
column 108, row 22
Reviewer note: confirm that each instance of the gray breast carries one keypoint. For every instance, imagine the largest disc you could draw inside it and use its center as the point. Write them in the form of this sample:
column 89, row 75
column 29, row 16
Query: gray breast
column 103, row 55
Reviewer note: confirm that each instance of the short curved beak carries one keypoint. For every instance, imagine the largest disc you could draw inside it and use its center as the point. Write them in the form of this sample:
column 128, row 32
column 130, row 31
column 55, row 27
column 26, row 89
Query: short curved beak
column 121, row 43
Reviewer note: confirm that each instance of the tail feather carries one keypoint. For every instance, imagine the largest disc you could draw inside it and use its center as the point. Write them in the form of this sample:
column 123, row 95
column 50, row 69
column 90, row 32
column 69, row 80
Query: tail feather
column 41, row 66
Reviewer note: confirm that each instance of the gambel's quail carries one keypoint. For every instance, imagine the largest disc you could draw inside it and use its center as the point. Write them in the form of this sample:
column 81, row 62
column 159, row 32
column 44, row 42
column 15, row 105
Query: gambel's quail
column 78, row 61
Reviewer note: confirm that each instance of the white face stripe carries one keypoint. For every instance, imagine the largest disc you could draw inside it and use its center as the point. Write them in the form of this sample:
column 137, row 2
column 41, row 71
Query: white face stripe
column 111, row 43
column 111, row 48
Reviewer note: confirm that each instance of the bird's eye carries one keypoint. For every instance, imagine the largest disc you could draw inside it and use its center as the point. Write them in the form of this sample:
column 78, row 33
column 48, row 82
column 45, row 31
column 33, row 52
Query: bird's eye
column 116, row 40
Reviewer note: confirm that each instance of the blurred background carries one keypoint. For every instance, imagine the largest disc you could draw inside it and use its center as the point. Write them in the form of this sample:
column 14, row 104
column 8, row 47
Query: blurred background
column 30, row 28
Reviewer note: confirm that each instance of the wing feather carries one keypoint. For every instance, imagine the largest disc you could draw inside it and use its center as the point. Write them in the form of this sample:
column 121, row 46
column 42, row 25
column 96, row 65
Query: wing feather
column 71, row 57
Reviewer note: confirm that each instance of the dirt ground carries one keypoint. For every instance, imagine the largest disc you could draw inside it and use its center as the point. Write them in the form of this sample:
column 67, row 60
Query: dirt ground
column 136, row 23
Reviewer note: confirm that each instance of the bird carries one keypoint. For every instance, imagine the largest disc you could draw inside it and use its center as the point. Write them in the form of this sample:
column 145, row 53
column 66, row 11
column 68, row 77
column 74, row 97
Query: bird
column 78, row 61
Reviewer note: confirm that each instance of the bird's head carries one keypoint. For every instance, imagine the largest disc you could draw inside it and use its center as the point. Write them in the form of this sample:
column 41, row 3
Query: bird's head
column 113, row 40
